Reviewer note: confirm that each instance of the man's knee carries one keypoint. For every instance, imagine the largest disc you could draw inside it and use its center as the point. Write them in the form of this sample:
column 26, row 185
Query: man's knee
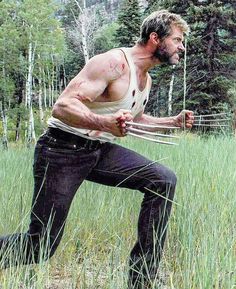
column 162, row 180
column 171, row 178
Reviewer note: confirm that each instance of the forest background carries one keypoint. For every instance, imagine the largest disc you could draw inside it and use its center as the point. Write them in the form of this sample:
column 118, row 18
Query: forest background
column 45, row 43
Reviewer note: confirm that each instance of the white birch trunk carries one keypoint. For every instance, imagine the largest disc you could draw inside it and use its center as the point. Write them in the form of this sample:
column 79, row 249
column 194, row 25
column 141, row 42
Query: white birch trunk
column 170, row 94
column 4, row 125
column 81, row 24
column 31, row 132
column 40, row 94
column 49, row 89
column 44, row 90
column 40, row 102
column 3, row 112
column 84, row 38
column 28, row 85
column 52, row 82
column 234, row 122
column 185, row 71
column 64, row 76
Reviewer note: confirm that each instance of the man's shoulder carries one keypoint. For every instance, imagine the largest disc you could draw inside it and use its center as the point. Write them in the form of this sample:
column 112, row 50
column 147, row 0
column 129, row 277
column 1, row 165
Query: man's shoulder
column 116, row 56
column 112, row 62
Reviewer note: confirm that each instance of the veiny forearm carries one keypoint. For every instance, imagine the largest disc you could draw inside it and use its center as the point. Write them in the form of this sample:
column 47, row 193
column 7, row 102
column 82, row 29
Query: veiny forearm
column 76, row 114
column 165, row 121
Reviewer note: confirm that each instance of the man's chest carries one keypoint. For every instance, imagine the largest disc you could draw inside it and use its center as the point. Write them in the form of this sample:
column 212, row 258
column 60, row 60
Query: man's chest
column 119, row 88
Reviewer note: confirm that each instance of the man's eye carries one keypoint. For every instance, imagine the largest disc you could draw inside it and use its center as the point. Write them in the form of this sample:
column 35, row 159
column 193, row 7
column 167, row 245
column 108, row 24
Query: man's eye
column 177, row 40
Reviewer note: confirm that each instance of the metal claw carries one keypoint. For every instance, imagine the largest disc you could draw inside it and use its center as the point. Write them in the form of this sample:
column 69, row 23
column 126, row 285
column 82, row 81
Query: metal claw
column 150, row 125
column 135, row 130
column 212, row 125
column 208, row 115
column 213, row 120
column 208, row 120
column 151, row 139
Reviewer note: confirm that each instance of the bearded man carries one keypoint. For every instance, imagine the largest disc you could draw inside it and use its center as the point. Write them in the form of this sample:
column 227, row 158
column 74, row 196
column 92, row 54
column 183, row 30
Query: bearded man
column 111, row 90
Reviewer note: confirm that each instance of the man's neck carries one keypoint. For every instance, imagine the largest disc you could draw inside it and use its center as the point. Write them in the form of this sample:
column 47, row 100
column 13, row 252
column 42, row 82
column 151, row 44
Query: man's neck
column 143, row 58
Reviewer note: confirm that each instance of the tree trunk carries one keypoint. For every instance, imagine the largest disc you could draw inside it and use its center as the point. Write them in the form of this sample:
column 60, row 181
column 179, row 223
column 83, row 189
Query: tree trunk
column 19, row 95
column 4, row 124
column 31, row 137
column 84, row 39
column 64, row 76
column 31, row 132
column 185, row 73
column 234, row 122
column 52, row 82
column 28, row 86
column 49, row 88
column 81, row 24
column 44, row 90
column 3, row 111
column 41, row 113
column 170, row 94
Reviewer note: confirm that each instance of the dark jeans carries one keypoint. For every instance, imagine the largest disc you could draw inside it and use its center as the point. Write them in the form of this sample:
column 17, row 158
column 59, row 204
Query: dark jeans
column 61, row 163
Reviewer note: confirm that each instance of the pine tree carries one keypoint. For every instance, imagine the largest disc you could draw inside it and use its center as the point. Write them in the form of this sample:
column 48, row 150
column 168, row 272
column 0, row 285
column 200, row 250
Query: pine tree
column 129, row 20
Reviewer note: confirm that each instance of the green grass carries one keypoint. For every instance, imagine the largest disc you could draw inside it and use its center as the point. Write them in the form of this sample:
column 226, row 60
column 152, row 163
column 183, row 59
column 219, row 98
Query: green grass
column 200, row 251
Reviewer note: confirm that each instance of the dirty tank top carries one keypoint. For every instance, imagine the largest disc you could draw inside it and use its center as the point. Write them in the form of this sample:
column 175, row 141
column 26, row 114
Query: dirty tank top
column 134, row 100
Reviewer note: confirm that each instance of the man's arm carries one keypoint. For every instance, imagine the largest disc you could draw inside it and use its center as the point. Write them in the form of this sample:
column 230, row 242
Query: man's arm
column 90, row 83
column 184, row 119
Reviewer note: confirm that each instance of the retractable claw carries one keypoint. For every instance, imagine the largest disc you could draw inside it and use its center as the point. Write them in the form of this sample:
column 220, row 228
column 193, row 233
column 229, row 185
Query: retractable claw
column 211, row 120
column 143, row 125
column 148, row 135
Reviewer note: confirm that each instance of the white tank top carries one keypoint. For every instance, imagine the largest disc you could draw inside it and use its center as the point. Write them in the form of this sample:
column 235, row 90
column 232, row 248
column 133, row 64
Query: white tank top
column 134, row 100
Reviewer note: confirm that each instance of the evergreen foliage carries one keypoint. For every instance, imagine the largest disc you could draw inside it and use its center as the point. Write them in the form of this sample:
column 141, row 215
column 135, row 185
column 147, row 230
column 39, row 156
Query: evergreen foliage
column 129, row 20
column 211, row 54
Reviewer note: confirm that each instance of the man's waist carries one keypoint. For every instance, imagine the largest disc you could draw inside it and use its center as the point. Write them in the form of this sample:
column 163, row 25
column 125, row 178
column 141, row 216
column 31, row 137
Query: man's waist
column 73, row 139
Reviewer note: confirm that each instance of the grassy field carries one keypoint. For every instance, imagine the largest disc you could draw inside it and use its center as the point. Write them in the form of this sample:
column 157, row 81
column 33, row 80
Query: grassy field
column 200, row 251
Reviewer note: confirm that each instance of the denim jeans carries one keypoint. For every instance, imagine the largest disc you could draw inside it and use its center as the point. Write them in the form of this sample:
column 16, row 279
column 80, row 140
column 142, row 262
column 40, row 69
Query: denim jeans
column 61, row 164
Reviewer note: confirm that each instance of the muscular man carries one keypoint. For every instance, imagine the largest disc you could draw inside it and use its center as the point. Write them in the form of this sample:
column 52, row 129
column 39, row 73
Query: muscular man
column 111, row 89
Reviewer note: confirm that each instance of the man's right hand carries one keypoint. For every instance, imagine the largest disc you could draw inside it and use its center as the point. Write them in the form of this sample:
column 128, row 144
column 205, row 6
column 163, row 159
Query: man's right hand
column 116, row 123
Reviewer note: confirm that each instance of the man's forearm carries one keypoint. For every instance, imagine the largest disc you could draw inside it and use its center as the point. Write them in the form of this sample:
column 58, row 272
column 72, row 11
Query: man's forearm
column 161, row 121
column 76, row 114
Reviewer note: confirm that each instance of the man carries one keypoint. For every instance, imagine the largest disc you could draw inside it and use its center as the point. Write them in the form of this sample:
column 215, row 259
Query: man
column 93, row 109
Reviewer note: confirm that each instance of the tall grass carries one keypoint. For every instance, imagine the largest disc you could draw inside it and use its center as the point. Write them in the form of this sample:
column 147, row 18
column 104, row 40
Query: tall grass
column 200, row 251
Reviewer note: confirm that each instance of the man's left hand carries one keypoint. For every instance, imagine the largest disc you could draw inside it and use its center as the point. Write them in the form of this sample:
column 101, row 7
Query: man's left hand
column 185, row 119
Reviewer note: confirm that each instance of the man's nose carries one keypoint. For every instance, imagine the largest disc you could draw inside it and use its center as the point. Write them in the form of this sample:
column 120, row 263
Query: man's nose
column 181, row 47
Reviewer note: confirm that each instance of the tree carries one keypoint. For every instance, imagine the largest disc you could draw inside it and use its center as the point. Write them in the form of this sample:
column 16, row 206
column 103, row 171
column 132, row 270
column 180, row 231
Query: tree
column 129, row 20
column 32, row 43
column 9, row 49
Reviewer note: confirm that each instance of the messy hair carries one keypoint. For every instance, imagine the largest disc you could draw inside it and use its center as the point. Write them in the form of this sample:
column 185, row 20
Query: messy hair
column 161, row 22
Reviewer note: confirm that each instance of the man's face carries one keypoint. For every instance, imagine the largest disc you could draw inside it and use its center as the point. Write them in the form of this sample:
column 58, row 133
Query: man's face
column 169, row 49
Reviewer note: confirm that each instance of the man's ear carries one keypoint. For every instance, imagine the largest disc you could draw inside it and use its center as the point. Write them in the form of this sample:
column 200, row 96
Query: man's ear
column 154, row 38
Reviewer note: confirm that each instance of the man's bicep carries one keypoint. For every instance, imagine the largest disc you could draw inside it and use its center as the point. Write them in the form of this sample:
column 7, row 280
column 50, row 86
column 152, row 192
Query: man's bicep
column 84, row 88
column 89, row 90
column 96, row 76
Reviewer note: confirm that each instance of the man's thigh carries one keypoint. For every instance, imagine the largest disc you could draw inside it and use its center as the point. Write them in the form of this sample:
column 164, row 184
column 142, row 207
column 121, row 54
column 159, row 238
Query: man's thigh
column 121, row 167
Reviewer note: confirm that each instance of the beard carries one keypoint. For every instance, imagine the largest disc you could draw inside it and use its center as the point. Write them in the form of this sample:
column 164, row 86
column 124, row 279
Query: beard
column 162, row 54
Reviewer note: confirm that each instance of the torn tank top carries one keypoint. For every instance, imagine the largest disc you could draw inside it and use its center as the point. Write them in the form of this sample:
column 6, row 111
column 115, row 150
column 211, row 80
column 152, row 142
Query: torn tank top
column 134, row 100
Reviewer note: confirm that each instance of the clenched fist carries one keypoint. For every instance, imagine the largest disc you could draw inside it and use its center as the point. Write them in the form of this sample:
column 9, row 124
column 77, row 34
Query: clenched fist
column 185, row 119
column 116, row 123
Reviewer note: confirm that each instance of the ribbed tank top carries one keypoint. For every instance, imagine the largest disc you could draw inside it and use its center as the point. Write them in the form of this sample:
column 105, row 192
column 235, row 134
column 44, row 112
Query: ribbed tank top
column 134, row 100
